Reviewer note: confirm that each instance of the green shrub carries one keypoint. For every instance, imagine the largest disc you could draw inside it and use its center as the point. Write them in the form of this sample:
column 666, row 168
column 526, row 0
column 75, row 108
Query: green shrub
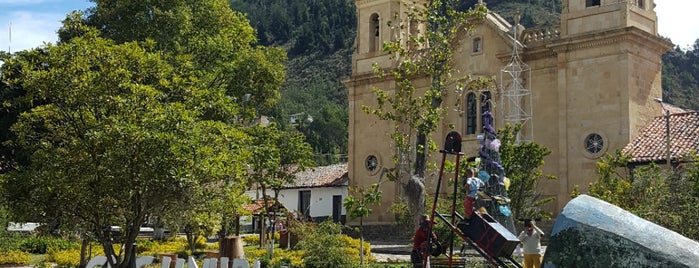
column 170, row 246
column 200, row 242
column 352, row 249
column 14, row 257
column 40, row 245
column 144, row 245
column 10, row 241
column 63, row 258
column 252, row 239
column 325, row 247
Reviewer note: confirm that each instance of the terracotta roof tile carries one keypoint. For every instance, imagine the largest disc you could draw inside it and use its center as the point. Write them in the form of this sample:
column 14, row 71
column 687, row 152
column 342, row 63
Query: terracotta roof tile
column 650, row 145
column 257, row 206
column 325, row 176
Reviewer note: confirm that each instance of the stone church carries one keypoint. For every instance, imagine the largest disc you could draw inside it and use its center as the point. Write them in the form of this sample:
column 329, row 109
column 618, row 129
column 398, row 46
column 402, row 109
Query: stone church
column 590, row 85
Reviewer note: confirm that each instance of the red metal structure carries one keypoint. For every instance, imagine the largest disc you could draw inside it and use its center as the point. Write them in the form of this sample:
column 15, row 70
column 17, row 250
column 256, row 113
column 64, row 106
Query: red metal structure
column 487, row 236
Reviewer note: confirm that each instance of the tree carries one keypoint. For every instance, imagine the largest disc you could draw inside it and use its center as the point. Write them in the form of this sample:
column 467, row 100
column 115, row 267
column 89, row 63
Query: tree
column 522, row 163
column 221, row 43
column 117, row 134
column 415, row 112
column 360, row 208
column 665, row 197
column 213, row 60
column 276, row 156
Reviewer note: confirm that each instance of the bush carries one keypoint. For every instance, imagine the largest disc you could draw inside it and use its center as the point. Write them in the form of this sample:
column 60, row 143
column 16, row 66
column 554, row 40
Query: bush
column 144, row 245
column 14, row 257
column 352, row 249
column 40, row 245
column 325, row 247
column 288, row 257
column 200, row 242
column 170, row 246
column 10, row 241
column 69, row 257
column 252, row 239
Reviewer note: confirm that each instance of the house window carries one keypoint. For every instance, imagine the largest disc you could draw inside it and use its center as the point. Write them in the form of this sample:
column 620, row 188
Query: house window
column 471, row 113
column 337, row 208
column 477, row 45
column 305, row 203
column 374, row 33
column 594, row 143
column 591, row 3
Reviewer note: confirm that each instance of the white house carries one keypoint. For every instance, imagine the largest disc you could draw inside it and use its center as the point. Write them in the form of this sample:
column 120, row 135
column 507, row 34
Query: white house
column 317, row 193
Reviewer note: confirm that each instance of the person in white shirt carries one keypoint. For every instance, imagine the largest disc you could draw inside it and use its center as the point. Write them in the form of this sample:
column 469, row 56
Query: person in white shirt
column 531, row 244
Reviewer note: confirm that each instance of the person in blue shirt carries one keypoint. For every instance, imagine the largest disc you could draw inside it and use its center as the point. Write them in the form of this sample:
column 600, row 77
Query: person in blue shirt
column 472, row 185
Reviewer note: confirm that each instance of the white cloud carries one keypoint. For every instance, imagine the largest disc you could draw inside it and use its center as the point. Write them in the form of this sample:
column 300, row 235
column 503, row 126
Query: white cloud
column 29, row 29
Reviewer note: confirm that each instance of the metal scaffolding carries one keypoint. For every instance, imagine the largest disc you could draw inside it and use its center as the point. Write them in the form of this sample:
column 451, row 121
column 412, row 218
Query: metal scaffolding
column 515, row 80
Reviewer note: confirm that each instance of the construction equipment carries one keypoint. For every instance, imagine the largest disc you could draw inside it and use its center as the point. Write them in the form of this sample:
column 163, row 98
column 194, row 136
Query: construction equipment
column 487, row 236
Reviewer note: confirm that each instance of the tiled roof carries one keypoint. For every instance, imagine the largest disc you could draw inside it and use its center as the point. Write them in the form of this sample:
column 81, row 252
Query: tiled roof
column 650, row 145
column 325, row 176
column 257, row 206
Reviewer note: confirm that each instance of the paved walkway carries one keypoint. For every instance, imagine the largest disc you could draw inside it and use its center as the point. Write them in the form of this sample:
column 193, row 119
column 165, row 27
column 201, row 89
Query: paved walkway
column 400, row 252
column 391, row 251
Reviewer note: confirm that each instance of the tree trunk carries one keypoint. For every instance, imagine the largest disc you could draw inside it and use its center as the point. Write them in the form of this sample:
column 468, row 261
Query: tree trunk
column 237, row 225
column 83, row 255
column 415, row 192
column 361, row 241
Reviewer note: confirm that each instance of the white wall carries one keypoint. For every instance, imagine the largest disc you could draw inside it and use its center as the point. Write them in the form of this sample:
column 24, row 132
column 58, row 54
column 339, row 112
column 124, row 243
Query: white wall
column 321, row 199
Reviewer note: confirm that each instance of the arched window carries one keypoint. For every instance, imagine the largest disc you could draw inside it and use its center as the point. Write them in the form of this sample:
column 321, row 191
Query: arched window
column 471, row 113
column 477, row 45
column 374, row 33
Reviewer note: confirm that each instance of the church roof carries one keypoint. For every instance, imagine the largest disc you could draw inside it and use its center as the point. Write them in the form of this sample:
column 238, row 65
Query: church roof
column 650, row 145
column 325, row 176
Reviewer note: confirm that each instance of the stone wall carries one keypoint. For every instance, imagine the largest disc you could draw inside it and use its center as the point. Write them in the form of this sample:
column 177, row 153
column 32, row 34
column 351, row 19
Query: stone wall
column 384, row 233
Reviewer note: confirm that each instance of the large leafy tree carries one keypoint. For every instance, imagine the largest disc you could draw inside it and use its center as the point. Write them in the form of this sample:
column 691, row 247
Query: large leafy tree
column 414, row 111
column 117, row 134
column 221, row 43
column 522, row 162
column 681, row 77
column 158, row 120
column 276, row 157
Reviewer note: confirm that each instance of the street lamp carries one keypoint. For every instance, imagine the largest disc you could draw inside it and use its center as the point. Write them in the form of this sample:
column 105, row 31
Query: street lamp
column 667, row 131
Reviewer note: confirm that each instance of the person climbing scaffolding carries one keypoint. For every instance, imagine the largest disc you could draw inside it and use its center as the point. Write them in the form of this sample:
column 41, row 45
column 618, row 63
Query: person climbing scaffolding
column 472, row 185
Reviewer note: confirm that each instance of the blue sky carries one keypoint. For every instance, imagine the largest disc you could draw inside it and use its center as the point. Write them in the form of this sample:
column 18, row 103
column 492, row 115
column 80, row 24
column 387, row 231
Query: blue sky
column 34, row 22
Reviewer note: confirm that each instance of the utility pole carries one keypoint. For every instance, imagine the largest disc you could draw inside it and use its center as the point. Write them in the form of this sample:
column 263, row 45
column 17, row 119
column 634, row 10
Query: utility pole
column 667, row 133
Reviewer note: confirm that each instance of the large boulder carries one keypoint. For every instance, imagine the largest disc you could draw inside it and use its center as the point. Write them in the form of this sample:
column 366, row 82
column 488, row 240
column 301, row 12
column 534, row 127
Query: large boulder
column 593, row 233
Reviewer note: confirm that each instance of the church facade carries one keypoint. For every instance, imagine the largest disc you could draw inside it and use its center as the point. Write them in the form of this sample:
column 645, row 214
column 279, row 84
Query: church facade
column 592, row 83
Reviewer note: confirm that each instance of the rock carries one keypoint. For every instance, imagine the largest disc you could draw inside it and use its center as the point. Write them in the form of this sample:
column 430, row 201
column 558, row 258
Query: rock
column 593, row 233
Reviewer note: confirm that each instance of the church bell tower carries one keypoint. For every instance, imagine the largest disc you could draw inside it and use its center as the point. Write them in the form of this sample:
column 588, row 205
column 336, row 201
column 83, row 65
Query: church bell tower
column 608, row 73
